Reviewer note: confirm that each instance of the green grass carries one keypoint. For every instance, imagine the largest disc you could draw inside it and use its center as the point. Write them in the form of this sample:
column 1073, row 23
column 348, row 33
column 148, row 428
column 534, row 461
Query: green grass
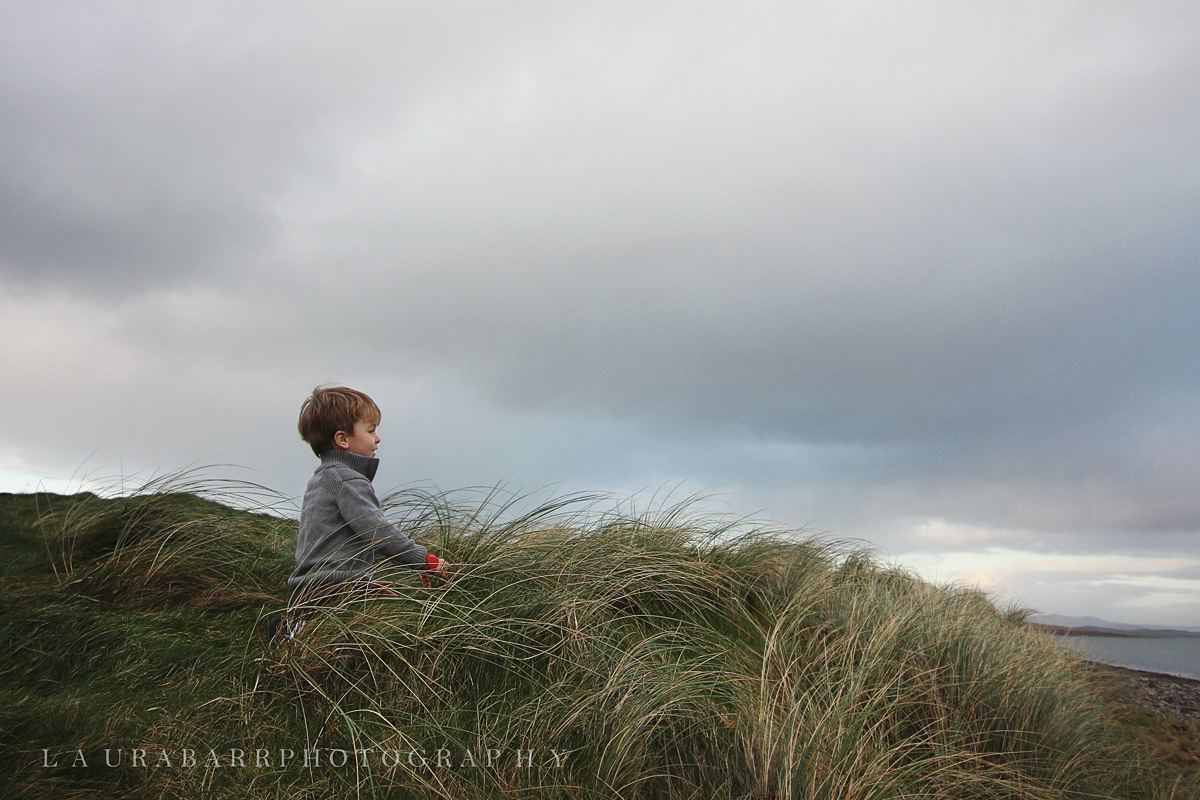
column 589, row 653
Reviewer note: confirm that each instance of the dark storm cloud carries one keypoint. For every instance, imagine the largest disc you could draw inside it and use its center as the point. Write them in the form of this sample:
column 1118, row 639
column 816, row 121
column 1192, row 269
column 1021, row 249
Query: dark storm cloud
column 114, row 170
column 143, row 144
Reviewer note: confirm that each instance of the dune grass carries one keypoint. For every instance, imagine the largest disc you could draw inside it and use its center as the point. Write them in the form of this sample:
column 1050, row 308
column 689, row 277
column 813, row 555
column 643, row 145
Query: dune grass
column 577, row 651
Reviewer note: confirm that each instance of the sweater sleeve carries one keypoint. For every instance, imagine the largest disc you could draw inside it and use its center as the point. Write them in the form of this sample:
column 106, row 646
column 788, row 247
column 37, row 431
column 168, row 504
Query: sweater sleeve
column 360, row 508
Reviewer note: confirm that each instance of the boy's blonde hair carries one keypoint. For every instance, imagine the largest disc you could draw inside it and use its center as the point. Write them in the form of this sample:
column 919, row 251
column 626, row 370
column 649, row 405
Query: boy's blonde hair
column 331, row 409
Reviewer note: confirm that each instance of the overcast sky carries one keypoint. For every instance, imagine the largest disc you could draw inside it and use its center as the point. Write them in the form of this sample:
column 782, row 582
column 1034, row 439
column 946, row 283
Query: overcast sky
column 924, row 275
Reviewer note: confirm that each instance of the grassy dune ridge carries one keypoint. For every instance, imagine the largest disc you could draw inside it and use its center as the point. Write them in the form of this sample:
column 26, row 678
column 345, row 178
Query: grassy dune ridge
column 578, row 650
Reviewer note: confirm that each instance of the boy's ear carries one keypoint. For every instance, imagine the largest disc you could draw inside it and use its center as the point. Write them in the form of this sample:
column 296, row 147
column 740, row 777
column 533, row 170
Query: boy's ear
column 341, row 439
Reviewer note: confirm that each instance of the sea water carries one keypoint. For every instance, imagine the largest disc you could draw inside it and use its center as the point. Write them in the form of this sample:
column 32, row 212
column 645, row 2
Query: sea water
column 1176, row 655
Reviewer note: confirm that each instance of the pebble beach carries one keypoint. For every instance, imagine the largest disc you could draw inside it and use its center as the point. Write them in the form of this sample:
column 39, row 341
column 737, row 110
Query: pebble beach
column 1163, row 709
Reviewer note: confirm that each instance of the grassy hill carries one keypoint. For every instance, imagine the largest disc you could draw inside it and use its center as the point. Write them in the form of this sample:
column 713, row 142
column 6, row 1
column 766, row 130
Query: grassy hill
column 574, row 653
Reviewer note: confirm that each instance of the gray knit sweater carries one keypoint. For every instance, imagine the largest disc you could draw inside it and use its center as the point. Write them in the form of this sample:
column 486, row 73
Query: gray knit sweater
column 342, row 526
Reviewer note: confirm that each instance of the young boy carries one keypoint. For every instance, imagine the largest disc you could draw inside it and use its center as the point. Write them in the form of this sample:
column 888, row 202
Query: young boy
column 341, row 525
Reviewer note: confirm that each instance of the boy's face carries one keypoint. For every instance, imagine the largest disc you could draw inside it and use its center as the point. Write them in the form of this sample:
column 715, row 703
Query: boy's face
column 362, row 441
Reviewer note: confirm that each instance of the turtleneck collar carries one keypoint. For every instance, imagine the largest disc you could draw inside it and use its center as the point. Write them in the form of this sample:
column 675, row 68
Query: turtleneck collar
column 364, row 465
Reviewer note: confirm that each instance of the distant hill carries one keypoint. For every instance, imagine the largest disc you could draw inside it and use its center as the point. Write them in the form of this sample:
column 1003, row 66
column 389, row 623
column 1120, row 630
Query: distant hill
column 1103, row 627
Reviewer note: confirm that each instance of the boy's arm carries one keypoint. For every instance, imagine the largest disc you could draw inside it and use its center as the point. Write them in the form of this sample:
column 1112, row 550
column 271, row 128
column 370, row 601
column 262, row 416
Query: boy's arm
column 360, row 508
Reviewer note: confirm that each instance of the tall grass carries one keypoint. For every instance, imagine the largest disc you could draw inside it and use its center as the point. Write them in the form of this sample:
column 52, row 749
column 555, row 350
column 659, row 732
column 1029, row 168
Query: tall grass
column 577, row 651
column 668, row 657
column 178, row 538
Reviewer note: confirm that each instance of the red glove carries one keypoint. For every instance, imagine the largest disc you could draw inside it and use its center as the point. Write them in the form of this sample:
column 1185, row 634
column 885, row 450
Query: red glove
column 432, row 564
